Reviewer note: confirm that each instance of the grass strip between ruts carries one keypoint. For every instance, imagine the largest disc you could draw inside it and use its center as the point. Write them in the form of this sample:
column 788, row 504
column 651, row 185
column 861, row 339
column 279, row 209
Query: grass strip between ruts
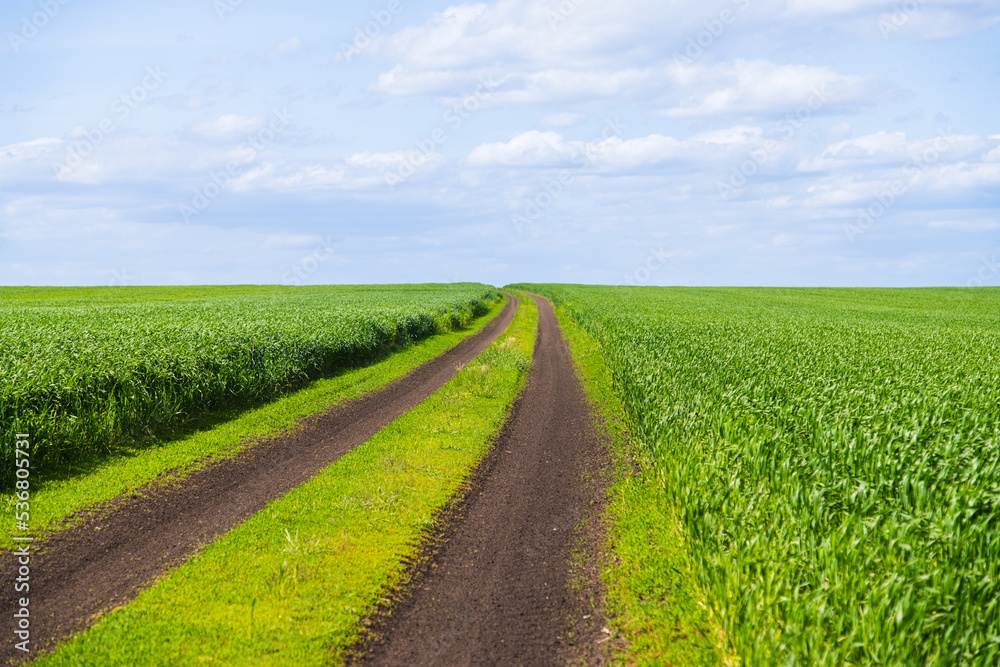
column 655, row 609
column 220, row 436
column 292, row 584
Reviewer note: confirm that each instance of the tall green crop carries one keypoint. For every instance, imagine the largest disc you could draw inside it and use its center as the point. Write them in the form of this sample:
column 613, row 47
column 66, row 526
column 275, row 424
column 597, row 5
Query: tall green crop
column 86, row 371
column 833, row 456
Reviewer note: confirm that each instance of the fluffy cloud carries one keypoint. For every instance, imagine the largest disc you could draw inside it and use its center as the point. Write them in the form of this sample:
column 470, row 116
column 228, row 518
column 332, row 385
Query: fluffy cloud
column 893, row 150
column 361, row 171
column 610, row 153
column 754, row 88
column 29, row 160
column 229, row 127
column 580, row 51
column 741, row 88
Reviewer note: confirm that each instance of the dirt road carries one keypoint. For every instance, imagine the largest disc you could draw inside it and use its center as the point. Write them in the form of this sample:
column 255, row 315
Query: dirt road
column 501, row 590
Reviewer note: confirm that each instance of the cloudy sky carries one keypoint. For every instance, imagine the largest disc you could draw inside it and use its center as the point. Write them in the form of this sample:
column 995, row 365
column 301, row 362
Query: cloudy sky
column 717, row 142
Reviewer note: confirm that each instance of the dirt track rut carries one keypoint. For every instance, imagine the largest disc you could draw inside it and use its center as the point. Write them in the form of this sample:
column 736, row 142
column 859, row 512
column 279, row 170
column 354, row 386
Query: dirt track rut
column 502, row 589
column 105, row 561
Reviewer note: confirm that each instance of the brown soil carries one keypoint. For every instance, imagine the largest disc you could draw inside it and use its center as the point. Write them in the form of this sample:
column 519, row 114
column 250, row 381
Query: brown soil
column 121, row 547
column 514, row 580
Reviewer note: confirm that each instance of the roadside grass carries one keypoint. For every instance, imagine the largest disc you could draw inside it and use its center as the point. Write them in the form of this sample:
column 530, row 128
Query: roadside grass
column 183, row 450
column 656, row 611
column 293, row 584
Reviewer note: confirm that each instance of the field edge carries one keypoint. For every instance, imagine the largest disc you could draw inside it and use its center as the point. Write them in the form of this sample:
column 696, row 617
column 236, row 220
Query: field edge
column 653, row 620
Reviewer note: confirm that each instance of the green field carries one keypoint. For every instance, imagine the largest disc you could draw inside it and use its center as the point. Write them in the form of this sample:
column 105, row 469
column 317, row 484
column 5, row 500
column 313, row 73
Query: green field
column 803, row 476
column 819, row 472
column 89, row 371
column 314, row 564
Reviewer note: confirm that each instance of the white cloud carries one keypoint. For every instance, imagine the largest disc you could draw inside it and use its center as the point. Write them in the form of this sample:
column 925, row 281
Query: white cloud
column 361, row 171
column 576, row 51
column 16, row 157
column 881, row 147
column 894, row 150
column 528, row 149
column 994, row 154
column 614, row 154
column 289, row 46
column 924, row 19
column 839, row 8
column 229, row 126
column 937, row 22
column 963, row 176
column 740, row 88
column 761, row 87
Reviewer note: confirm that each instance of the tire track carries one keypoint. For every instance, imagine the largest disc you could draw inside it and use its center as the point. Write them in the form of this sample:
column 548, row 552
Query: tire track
column 502, row 589
column 122, row 546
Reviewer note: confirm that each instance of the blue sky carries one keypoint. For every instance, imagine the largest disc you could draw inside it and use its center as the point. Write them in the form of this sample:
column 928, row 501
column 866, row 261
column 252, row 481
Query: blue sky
column 719, row 142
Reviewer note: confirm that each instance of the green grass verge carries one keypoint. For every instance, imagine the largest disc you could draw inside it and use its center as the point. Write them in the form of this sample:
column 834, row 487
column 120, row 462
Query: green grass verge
column 656, row 610
column 181, row 452
column 292, row 584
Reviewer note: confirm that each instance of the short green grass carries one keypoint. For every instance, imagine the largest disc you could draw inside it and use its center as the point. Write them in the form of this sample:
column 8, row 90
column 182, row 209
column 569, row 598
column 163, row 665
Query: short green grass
column 656, row 610
column 223, row 434
column 292, row 585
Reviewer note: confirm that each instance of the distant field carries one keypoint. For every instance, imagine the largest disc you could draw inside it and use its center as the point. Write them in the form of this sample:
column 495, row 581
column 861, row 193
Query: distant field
column 825, row 467
column 88, row 370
